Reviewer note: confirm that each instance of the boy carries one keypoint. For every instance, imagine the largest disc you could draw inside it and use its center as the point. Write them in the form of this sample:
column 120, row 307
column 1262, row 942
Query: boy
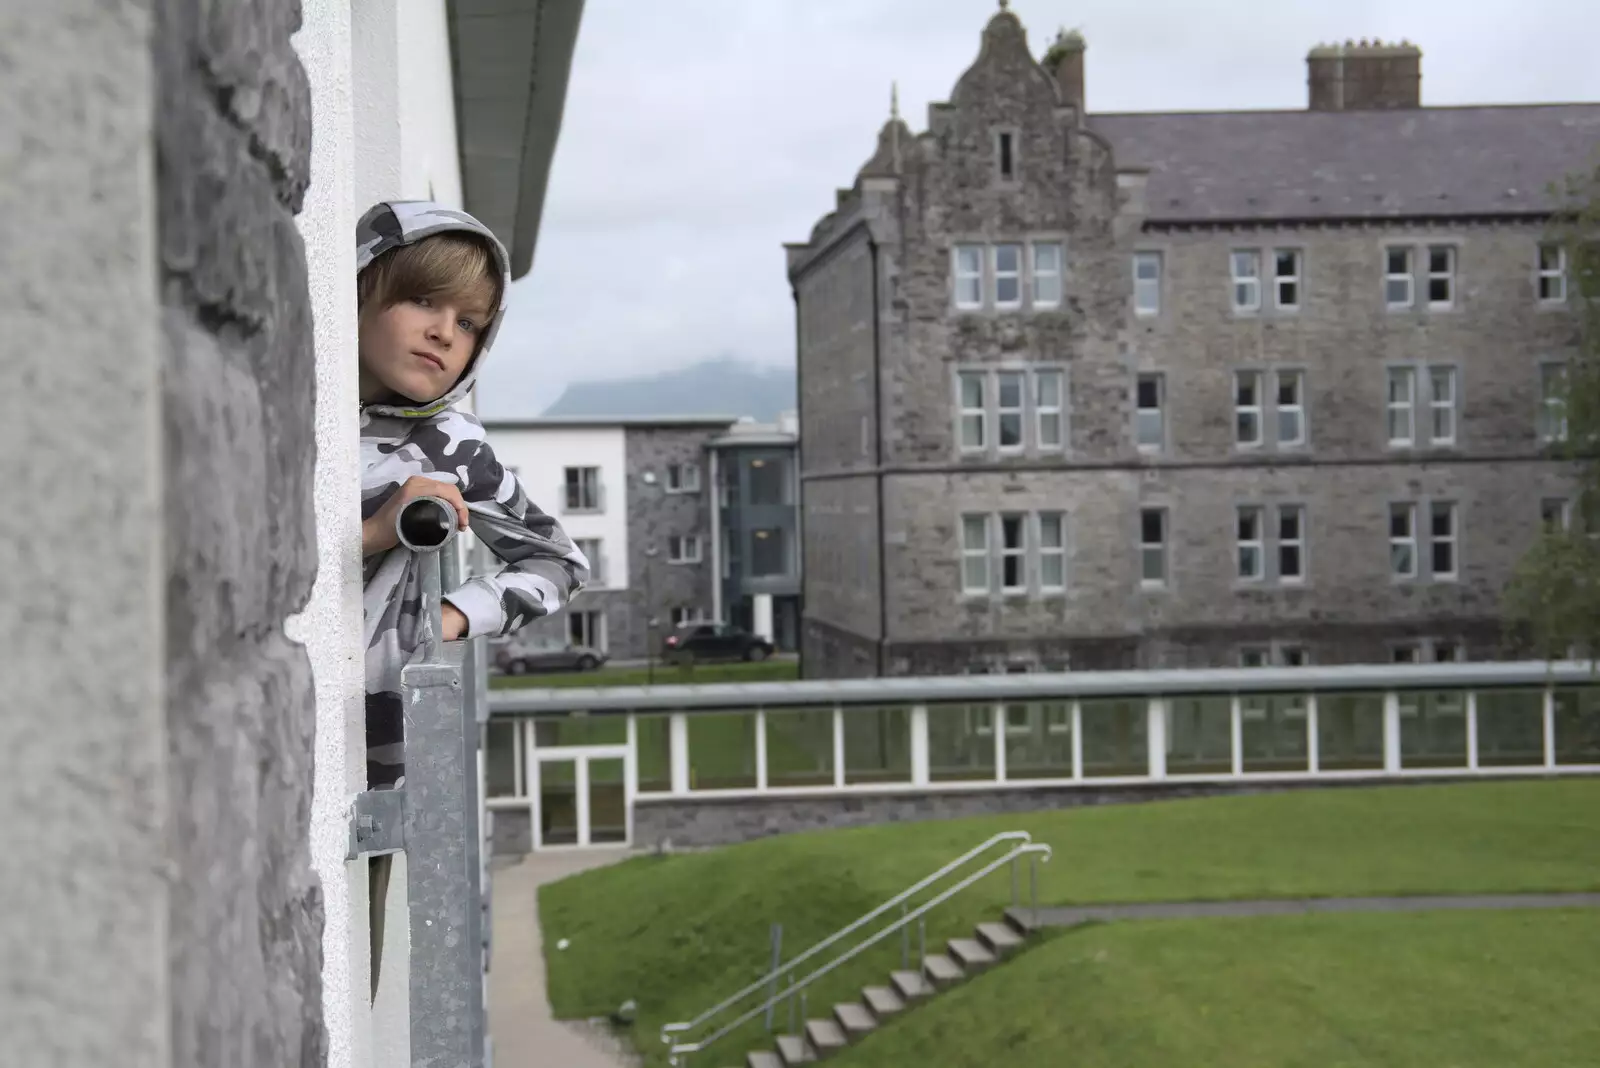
column 431, row 289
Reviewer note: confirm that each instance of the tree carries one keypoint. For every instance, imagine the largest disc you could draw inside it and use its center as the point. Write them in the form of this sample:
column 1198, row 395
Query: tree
column 1553, row 599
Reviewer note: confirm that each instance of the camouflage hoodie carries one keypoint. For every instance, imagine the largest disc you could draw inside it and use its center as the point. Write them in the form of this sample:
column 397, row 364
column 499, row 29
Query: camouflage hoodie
column 542, row 568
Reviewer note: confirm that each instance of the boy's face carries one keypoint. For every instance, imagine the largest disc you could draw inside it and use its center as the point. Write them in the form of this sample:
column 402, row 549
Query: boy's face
column 419, row 348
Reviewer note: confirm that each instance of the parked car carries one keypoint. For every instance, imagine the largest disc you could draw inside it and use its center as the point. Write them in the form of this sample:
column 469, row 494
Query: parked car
column 514, row 661
column 715, row 641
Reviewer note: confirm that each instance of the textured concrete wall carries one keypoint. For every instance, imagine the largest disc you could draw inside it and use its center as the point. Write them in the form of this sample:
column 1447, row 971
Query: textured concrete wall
column 238, row 377
column 84, row 886
column 1342, row 339
column 330, row 625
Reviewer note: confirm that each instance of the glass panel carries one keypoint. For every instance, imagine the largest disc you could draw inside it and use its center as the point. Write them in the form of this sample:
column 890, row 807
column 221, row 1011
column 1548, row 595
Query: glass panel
column 500, row 758
column 1199, row 736
column 960, row 743
column 1114, row 733
column 1433, row 730
column 553, row 732
column 1350, row 731
column 722, row 751
column 1510, row 728
column 877, row 745
column 654, row 754
column 800, row 747
column 1578, row 725
column 558, row 802
column 972, row 391
column 608, row 802
column 1039, row 741
column 1272, row 730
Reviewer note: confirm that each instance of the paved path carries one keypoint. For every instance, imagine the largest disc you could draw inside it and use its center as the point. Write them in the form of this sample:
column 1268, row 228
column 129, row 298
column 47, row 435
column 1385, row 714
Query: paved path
column 1072, row 915
column 524, row 1033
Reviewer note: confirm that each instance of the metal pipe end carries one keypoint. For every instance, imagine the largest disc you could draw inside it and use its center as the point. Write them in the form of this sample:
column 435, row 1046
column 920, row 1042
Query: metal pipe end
column 426, row 524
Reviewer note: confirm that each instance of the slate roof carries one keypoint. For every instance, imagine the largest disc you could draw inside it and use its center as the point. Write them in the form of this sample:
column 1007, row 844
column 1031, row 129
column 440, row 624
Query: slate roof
column 1424, row 162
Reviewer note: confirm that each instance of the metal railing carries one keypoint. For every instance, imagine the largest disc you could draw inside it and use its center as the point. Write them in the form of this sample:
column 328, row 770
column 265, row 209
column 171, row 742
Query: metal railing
column 433, row 817
column 1024, row 847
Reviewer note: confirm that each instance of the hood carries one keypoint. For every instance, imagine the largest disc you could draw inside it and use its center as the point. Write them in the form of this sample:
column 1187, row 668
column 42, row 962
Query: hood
column 394, row 223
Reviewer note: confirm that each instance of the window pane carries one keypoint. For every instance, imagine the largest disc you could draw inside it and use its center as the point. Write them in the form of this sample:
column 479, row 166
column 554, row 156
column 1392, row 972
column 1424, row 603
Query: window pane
column 1433, row 730
column 1010, row 391
column 1050, row 531
column 1400, row 521
column 975, row 574
column 800, row 747
column 1247, row 389
column 1149, row 391
column 1439, row 260
column 1039, row 741
column 972, row 391
column 1249, row 524
column 1148, row 428
column 1399, row 261
column 1153, row 564
column 1510, row 728
column 1114, row 733
column 1248, row 427
column 1397, row 290
column 1289, row 524
column 877, row 745
column 960, row 742
column 500, row 759
column 722, row 751
column 1199, row 736
column 1052, row 571
column 972, row 431
column 1273, row 733
column 654, row 754
column 1147, row 267
column 969, row 259
column 1288, row 388
column 1011, row 532
column 1047, row 386
column 1049, row 429
column 1442, row 381
column 1008, row 258
column 1350, row 731
column 769, row 552
column 1244, row 265
column 1152, row 527
column 550, row 732
column 1289, row 561
column 1288, row 263
column 1402, row 559
column 1291, row 430
column 974, row 531
column 1010, row 430
column 1047, row 258
column 1444, row 516
column 1577, row 725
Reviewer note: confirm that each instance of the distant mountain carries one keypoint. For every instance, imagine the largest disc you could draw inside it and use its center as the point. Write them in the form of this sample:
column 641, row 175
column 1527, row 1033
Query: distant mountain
column 714, row 387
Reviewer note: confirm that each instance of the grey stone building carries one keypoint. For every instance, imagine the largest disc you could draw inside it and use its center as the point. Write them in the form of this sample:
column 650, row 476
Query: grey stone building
column 1089, row 390
column 684, row 518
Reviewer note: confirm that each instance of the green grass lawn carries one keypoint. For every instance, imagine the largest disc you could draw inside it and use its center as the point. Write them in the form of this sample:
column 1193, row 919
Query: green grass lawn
column 1465, row 990
column 665, row 675
column 678, row 933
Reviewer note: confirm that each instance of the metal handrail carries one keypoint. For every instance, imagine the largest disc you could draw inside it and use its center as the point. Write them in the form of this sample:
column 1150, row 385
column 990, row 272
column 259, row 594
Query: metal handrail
column 670, row 1029
column 796, row 986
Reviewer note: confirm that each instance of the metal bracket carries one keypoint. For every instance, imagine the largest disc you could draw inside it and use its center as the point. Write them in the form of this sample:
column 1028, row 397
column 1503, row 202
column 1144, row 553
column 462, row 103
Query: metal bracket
column 377, row 823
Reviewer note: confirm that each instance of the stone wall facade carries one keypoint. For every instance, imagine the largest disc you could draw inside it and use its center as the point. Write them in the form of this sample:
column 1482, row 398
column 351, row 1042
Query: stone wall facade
column 917, row 201
column 232, row 135
column 656, row 516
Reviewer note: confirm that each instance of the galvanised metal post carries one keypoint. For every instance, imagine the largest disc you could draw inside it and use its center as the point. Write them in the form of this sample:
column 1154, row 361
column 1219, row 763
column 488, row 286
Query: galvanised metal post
column 444, row 880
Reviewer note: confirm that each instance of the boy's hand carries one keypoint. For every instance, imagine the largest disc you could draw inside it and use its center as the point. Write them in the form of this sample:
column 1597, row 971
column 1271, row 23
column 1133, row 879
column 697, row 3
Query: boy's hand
column 454, row 621
column 378, row 533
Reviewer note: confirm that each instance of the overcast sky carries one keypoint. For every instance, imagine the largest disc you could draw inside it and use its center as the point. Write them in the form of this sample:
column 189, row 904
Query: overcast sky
column 702, row 134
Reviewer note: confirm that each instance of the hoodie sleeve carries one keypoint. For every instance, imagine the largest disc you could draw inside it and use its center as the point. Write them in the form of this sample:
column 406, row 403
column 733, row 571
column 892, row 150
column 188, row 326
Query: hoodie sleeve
column 543, row 568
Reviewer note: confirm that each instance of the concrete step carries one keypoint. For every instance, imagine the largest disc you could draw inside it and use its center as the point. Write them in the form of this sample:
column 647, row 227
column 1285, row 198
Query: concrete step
column 911, row 985
column 1001, row 938
column 826, row 1036
column 1021, row 921
column 763, row 1059
column 884, row 1001
column 942, row 970
column 855, row 1019
column 971, row 954
column 793, row 1050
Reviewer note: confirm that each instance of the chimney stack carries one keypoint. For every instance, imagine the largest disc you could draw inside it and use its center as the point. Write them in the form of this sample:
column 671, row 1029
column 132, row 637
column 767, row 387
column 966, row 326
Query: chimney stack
column 1364, row 76
column 1064, row 62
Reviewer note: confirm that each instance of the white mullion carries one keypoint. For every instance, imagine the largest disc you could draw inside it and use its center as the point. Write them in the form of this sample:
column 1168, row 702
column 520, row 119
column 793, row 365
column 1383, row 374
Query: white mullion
column 1077, row 740
column 1236, row 734
column 1313, row 740
column 919, row 745
column 1549, row 726
column 838, row 746
column 761, row 749
column 1472, row 730
column 1156, row 737
column 581, row 778
column 1001, row 725
column 1391, row 731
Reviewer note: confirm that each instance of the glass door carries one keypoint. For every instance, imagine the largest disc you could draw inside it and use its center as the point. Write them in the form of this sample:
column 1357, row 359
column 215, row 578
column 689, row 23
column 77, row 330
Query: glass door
column 582, row 797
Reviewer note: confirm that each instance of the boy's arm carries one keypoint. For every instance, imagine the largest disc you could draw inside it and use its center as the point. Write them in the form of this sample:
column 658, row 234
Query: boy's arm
column 543, row 568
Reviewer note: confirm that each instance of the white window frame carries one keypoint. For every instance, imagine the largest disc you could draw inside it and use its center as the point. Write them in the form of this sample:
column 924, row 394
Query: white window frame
column 588, row 620
column 975, row 278
column 1058, row 274
column 1042, row 411
column 1250, row 283
column 1280, row 280
column 1293, row 651
column 996, row 275
column 1297, row 542
column 1409, row 406
column 1448, row 274
column 966, row 412
column 1451, row 407
column 1556, row 275
column 679, row 546
column 1258, row 380
column 1019, row 411
column 1147, row 287
column 971, row 554
column 1297, row 409
column 1255, row 656
column 1452, row 539
column 597, row 499
column 1052, row 552
column 1159, row 548
column 1160, row 411
column 682, row 614
column 1408, row 276
column 1562, row 509
column 1256, row 545
column 1019, row 552
column 597, row 566
column 1551, row 423
column 683, row 478
column 1409, row 540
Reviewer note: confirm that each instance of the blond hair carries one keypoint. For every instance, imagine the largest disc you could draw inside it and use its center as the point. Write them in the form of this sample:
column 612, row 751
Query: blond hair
column 454, row 265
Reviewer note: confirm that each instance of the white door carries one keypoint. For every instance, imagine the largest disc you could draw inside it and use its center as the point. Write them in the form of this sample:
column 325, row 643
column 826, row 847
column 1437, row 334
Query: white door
column 582, row 796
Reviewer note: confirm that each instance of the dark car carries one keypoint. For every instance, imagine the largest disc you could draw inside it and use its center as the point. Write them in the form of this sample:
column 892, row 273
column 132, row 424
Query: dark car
column 514, row 661
column 715, row 641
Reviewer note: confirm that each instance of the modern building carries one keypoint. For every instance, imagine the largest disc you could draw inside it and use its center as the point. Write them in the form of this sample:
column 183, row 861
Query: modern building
column 1084, row 390
column 638, row 495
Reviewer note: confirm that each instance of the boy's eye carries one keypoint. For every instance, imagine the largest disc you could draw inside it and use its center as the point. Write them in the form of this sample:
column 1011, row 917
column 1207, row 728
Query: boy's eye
column 423, row 302
column 467, row 325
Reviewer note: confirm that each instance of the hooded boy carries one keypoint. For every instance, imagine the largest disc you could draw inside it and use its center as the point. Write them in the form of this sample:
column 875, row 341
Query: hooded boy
column 431, row 287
